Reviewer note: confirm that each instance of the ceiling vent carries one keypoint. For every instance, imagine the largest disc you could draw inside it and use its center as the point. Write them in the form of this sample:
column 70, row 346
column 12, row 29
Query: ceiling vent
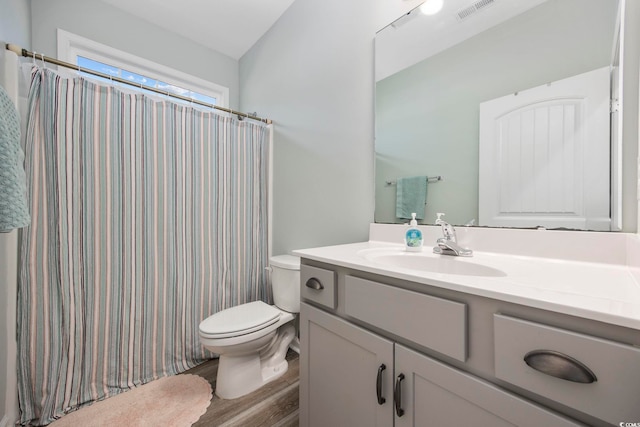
column 474, row 8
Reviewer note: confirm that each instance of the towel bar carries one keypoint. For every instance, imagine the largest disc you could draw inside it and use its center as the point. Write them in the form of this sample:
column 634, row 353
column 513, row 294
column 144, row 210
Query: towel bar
column 429, row 179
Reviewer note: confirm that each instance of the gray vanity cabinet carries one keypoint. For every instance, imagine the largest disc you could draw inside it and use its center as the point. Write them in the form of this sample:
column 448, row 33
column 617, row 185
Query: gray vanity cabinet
column 348, row 378
column 354, row 372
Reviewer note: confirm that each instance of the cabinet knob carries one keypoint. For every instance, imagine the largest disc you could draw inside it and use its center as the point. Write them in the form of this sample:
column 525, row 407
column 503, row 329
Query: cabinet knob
column 314, row 283
column 381, row 399
column 397, row 395
column 559, row 365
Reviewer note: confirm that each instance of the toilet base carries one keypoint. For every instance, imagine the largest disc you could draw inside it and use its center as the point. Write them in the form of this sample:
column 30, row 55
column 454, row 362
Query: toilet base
column 239, row 375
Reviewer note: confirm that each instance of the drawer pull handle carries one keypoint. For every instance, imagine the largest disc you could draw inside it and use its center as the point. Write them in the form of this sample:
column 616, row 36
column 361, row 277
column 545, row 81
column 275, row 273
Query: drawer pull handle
column 559, row 365
column 314, row 283
column 381, row 399
column 397, row 395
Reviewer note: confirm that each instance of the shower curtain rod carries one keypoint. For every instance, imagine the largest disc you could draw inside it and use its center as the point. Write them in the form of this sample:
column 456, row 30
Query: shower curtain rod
column 24, row 52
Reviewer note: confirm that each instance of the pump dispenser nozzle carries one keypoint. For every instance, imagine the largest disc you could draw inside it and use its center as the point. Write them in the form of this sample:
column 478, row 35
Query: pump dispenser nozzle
column 413, row 221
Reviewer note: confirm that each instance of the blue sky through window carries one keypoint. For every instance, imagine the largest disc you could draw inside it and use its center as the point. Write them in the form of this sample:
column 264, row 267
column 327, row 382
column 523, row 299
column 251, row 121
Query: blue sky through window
column 144, row 80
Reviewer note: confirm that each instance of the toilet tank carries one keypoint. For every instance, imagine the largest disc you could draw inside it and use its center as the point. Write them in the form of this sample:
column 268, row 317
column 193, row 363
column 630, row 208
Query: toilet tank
column 285, row 282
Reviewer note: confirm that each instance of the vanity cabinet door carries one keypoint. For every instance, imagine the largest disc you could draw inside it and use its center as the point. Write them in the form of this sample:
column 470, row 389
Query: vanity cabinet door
column 430, row 393
column 341, row 366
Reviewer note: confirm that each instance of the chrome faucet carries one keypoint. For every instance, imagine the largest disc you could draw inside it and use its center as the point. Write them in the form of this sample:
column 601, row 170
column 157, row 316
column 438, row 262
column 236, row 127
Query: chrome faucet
column 448, row 245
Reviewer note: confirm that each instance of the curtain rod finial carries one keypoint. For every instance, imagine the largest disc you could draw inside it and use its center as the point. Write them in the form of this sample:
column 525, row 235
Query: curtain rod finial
column 14, row 48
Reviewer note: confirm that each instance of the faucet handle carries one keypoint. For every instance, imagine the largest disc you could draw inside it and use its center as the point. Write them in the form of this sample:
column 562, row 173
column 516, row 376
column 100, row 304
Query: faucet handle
column 447, row 229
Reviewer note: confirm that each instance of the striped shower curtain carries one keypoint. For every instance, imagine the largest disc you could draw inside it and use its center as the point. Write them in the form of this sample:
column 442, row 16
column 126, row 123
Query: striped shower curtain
column 148, row 216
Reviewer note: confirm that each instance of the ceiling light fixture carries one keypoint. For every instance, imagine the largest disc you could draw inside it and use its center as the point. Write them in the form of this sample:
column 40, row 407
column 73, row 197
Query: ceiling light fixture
column 431, row 7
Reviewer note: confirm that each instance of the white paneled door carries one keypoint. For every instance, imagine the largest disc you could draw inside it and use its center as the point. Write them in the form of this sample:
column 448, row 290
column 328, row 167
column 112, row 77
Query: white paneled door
column 545, row 156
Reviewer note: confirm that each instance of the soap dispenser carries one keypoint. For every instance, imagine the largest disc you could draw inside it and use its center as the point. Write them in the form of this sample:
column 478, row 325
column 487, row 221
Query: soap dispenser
column 413, row 236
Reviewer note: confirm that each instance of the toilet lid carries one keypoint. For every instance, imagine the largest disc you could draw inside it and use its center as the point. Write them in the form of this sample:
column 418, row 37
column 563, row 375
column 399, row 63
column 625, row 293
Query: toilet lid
column 240, row 319
column 288, row 262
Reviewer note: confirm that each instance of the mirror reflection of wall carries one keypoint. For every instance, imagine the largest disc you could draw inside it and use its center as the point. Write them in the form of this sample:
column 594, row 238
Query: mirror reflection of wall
column 427, row 115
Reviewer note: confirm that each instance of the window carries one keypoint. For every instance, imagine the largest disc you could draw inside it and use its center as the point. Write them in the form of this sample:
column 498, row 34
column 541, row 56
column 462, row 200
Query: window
column 95, row 56
column 111, row 70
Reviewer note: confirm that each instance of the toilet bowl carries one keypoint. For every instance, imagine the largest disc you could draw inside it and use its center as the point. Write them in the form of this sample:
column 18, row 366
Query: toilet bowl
column 252, row 339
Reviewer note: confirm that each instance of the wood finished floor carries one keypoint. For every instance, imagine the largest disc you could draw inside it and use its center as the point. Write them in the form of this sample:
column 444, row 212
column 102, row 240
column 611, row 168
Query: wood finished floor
column 274, row 405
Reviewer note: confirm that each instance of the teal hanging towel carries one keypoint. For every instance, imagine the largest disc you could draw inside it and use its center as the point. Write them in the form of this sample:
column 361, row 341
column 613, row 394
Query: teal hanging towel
column 411, row 196
column 13, row 191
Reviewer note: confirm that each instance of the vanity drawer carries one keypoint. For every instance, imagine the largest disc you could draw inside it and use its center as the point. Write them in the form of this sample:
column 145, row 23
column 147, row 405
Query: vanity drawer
column 432, row 322
column 613, row 396
column 318, row 285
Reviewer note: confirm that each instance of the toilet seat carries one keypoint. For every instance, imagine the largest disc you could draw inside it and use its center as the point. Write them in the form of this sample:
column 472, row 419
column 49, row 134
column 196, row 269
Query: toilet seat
column 239, row 320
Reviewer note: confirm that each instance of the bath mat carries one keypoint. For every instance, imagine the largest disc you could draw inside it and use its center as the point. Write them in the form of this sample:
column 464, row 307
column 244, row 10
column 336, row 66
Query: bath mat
column 175, row 401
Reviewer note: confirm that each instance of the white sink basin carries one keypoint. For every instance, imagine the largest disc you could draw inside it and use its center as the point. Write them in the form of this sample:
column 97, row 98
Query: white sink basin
column 429, row 262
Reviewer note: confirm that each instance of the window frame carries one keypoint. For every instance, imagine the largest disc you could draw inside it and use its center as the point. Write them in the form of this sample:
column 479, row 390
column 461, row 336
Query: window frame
column 70, row 46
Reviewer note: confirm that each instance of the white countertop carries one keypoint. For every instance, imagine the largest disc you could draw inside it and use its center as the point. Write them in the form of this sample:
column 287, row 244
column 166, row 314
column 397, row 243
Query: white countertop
column 605, row 292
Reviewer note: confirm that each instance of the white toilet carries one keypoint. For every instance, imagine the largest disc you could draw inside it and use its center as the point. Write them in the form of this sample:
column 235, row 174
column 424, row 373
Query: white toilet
column 252, row 339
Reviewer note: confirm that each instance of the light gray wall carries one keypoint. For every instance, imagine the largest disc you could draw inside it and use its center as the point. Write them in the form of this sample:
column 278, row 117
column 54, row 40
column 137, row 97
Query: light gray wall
column 109, row 25
column 312, row 73
column 15, row 22
column 15, row 27
column 428, row 114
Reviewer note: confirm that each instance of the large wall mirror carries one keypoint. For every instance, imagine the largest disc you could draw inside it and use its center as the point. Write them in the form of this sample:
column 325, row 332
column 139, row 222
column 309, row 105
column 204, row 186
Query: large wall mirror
column 503, row 107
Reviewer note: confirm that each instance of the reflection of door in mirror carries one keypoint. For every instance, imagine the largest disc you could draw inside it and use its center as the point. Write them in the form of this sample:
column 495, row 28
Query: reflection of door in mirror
column 544, row 156
column 427, row 111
